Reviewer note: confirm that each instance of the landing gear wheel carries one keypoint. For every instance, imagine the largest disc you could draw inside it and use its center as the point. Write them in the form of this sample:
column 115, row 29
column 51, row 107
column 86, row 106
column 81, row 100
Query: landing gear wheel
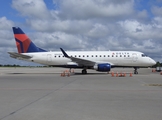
column 84, row 71
column 135, row 71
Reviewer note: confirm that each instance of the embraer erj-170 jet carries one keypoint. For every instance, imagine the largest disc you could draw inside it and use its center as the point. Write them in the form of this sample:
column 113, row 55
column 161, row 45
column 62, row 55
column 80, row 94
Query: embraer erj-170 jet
column 101, row 61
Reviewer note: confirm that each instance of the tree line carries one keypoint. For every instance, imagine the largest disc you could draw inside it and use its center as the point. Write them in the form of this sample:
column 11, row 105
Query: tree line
column 8, row 65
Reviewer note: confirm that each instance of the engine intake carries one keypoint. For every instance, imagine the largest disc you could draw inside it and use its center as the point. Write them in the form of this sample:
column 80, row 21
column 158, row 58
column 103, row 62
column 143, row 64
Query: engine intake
column 105, row 67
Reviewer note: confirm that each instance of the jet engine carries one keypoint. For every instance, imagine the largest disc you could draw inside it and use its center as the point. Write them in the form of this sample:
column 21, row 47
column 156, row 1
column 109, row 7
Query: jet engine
column 105, row 67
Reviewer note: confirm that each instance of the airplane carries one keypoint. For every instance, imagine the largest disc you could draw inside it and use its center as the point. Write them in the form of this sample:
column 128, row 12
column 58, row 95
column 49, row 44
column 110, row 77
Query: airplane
column 101, row 61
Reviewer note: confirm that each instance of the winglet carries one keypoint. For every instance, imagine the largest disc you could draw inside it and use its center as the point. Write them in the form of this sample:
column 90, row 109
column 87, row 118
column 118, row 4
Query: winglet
column 65, row 54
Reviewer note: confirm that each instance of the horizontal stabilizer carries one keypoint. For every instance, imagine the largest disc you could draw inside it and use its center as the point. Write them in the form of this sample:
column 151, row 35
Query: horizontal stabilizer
column 18, row 55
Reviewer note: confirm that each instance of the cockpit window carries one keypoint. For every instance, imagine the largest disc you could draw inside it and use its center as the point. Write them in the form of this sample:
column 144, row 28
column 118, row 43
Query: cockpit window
column 143, row 55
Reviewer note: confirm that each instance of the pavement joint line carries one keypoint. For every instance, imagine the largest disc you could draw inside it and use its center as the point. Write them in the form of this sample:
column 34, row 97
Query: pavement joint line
column 12, row 113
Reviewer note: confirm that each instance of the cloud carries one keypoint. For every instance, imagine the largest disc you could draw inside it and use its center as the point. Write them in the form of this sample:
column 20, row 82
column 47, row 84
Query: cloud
column 86, row 25
column 69, row 26
column 158, row 22
column 53, row 41
column 157, row 11
column 144, row 37
column 89, row 9
column 5, row 23
column 141, row 31
column 142, row 14
column 5, row 33
column 31, row 8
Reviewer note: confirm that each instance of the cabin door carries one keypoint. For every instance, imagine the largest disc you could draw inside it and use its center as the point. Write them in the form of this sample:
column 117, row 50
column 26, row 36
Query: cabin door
column 134, row 57
column 49, row 58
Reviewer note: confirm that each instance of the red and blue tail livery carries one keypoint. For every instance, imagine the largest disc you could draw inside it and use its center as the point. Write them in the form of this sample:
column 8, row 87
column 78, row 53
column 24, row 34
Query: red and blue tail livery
column 23, row 42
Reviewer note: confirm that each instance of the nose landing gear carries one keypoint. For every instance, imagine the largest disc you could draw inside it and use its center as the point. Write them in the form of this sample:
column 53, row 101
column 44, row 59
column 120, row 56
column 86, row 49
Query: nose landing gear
column 135, row 70
column 84, row 71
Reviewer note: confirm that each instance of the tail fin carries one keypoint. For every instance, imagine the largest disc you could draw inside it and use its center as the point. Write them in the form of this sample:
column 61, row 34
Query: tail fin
column 23, row 42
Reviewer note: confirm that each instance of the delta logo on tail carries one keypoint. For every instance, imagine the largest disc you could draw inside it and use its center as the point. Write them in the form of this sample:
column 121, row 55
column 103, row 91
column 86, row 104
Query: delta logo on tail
column 23, row 42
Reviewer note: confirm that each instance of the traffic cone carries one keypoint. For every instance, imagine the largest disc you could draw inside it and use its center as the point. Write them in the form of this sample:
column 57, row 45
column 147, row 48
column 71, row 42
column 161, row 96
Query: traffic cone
column 124, row 75
column 153, row 70
column 130, row 74
column 117, row 74
column 68, row 74
column 112, row 74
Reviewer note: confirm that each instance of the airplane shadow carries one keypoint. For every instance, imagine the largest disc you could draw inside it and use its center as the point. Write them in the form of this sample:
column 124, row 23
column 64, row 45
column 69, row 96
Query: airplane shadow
column 89, row 74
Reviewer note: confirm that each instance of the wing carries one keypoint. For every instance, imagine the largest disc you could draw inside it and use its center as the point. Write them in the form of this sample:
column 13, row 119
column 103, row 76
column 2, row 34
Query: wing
column 83, row 62
column 19, row 56
column 79, row 61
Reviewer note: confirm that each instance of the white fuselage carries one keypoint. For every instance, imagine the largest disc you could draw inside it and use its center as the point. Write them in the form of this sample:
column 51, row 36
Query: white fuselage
column 115, row 58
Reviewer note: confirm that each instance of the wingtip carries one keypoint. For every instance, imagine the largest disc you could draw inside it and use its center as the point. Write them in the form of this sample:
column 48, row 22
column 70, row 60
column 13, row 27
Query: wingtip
column 61, row 49
column 65, row 54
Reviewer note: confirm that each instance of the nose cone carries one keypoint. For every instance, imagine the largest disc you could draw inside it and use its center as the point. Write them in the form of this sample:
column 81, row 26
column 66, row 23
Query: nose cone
column 152, row 61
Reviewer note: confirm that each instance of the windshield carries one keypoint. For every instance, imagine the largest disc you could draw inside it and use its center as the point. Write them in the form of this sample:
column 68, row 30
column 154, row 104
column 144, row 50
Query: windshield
column 143, row 55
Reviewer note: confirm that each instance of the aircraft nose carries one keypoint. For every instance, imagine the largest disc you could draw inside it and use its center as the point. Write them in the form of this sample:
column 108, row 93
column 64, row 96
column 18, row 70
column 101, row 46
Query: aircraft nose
column 152, row 62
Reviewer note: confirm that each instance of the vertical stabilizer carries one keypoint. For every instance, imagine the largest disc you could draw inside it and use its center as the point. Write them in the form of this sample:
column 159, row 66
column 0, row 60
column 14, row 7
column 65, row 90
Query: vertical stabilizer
column 23, row 42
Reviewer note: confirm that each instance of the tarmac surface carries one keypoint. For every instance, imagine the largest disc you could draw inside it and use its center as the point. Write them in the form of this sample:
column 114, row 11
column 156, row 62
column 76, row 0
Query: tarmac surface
column 42, row 94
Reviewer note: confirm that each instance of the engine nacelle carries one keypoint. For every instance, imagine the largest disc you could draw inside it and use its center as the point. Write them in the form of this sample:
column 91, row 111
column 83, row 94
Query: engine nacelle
column 105, row 67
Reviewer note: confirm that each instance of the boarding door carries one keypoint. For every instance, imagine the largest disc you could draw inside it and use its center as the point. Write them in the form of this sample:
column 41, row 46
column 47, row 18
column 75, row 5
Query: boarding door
column 134, row 57
column 49, row 58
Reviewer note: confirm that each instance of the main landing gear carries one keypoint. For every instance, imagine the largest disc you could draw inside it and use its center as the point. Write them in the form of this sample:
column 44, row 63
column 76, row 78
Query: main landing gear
column 84, row 71
column 135, row 70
